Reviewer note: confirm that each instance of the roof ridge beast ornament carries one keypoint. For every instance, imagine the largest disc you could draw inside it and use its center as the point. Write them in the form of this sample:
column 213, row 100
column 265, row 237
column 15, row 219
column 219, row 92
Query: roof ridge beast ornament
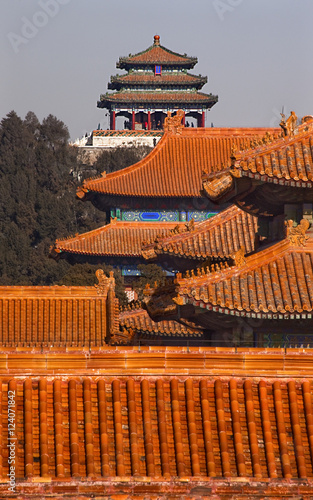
column 172, row 124
column 289, row 126
column 296, row 235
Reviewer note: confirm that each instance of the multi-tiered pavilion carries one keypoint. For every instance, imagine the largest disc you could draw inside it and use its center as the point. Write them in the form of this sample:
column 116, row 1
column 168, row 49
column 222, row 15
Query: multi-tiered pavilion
column 157, row 82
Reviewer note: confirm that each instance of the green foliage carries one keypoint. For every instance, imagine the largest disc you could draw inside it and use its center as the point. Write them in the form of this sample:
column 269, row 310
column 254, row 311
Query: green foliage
column 118, row 158
column 38, row 202
column 150, row 273
column 37, row 199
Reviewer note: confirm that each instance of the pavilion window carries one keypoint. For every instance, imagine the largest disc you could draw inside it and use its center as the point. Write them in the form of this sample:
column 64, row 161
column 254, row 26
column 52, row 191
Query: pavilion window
column 158, row 69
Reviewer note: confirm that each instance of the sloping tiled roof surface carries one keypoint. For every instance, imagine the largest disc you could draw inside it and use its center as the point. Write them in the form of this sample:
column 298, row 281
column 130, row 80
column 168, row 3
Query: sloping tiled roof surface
column 174, row 167
column 162, row 428
column 276, row 282
column 117, row 238
column 156, row 54
column 219, row 236
column 288, row 159
column 140, row 322
column 164, row 79
column 159, row 97
column 55, row 316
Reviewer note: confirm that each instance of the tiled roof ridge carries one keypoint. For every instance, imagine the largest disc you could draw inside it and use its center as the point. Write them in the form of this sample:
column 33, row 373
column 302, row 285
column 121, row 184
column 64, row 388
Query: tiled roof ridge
column 207, row 132
column 205, row 239
column 116, row 78
column 264, row 147
column 272, row 252
column 91, row 242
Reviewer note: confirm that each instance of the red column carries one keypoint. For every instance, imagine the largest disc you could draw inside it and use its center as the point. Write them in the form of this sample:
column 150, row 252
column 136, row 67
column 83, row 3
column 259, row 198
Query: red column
column 112, row 120
column 149, row 120
column 133, row 120
column 203, row 119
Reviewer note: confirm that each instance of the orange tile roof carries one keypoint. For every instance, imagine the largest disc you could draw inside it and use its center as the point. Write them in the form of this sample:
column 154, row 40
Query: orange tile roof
column 205, row 435
column 219, row 236
column 158, row 97
column 274, row 283
column 285, row 161
column 288, row 159
column 57, row 315
column 118, row 238
column 174, row 167
column 139, row 321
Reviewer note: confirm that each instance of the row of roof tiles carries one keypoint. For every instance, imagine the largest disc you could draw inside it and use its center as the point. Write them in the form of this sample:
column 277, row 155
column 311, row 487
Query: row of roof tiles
column 276, row 281
column 174, row 168
column 156, row 97
column 163, row 79
column 58, row 315
column 219, row 236
column 164, row 427
column 118, row 238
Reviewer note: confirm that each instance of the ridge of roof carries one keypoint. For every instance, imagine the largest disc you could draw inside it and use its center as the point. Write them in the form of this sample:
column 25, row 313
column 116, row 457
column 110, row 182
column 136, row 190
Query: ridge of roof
column 219, row 240
column 169, row 146
column 124, row 238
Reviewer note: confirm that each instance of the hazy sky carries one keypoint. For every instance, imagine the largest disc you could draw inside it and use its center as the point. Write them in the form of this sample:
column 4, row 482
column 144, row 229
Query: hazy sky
column 57, row 55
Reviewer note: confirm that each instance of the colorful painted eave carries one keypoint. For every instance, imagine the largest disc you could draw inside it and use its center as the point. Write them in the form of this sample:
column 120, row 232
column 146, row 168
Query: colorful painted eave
column 286, row 161
column 118, row 238
column 219, row 236
column 175, row 166
column 274, row 283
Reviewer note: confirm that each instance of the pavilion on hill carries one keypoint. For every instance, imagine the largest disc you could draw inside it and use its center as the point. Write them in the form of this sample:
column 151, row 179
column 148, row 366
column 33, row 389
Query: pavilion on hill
column 157, row 82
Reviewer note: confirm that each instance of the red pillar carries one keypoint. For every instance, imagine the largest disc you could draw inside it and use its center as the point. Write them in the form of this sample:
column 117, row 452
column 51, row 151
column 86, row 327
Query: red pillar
column 133, row 120
column 149, row 120
column 112, row 120
column 203, row 119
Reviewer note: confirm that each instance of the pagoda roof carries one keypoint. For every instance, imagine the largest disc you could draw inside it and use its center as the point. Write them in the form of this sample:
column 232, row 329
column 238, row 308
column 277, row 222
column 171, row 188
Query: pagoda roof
column 219, row 236
column 274, row 283
column 200, row 435
column 155, row 97
column 174, row 167
column 118, row 238
column 156, row 54
column 56, row 316
column 284, row 161
column 149, row 78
